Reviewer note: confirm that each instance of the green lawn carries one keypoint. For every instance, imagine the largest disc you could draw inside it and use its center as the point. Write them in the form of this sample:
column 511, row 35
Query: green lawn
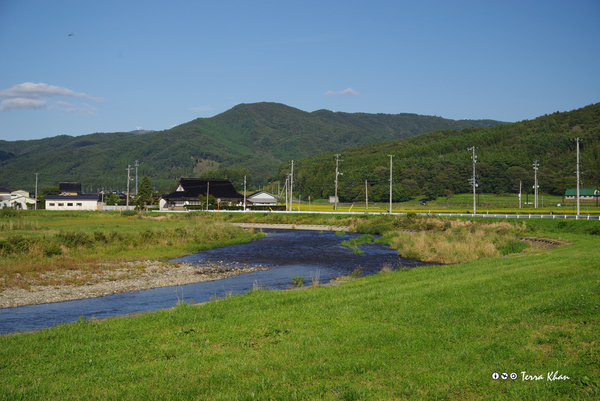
column 437, row 332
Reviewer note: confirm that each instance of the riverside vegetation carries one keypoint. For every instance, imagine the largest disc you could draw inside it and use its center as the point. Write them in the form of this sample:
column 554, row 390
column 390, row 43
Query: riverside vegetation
column 438, row 332
column 39, row 247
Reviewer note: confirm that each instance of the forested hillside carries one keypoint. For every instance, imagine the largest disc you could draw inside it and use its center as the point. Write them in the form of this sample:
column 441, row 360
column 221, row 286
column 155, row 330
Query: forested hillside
column 431, row 164
column 249, row 139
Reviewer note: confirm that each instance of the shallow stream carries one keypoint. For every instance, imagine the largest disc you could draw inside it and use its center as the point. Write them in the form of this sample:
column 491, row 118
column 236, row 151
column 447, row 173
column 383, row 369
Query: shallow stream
column 289, row 253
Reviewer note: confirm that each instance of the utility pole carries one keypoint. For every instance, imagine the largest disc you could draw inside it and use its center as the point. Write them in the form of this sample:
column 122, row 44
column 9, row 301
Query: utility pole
column 337, row 160
column 136, row 177
column 244, row 193
column 291, row 186
column 128, row 179
column 578, row 140
column 536, row 164
column 391, row 164
column 286, row 192
column 474, row 178
column 36, row 181
column 366, row 195
column 207, row 193
column 520, row 190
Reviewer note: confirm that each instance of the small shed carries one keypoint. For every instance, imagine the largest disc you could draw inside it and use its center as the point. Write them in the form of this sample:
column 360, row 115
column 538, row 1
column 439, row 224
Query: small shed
column 584, row 194
column 261, row 198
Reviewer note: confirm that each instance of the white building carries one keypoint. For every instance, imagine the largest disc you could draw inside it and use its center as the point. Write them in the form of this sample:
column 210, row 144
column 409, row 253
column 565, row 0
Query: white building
column 15, row 199
column 262, row 198
column 73, row 202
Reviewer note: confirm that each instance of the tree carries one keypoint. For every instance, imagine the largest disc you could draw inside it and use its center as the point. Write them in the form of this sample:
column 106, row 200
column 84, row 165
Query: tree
column 448, row 194
column 113, row 200
column 51, row 190
column 145, row 192
column 212, row 201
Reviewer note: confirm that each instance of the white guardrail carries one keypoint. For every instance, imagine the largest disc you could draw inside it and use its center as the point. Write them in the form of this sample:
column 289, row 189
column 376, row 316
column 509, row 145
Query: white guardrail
column 495, row 215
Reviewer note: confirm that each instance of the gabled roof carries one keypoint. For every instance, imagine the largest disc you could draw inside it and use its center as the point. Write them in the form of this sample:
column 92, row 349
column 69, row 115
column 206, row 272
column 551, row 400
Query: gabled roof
column 261, row 195
column 4, row 190
column 582, row 192
column 194, row 187
column 69, row 187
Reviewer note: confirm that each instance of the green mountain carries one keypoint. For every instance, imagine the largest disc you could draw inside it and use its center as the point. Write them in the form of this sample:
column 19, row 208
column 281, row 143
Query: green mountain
column 251, row 139
column 431, row 164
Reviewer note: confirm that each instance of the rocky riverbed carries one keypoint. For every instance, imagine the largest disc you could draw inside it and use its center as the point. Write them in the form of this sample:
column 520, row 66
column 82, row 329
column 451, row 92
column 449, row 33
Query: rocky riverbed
column 132, row 277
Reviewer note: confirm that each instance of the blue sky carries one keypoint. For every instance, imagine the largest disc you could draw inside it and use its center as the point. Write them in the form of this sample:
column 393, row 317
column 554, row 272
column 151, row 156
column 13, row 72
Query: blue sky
column 156, row 64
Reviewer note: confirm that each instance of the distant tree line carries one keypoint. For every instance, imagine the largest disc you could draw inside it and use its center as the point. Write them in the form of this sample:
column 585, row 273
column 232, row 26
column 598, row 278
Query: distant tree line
column 438, row 163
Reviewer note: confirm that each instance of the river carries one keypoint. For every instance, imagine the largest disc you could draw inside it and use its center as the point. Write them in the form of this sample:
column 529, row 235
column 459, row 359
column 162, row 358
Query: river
column 289, row 253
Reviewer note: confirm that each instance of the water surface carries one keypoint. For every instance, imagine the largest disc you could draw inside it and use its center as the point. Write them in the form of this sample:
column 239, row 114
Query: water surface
column 289, row 253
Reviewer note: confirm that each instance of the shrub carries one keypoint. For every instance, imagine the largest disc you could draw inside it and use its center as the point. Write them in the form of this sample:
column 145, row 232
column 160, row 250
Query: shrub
column 52, row 249
column 298, row 281
column 127, row 213
column 514, row 246
column 74, row 239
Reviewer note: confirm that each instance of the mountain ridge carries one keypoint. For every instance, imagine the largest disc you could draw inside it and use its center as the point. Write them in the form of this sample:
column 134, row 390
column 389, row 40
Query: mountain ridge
column 256, row 137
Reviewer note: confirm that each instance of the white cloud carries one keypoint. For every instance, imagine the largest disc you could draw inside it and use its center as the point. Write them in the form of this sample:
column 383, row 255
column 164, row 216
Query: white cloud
column 347, row 92
column 35, row 91
column 32, row 96
column 22, row 103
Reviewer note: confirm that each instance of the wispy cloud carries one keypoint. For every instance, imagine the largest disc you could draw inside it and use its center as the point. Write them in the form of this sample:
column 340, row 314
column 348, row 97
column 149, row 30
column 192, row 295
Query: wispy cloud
column 347, row 92
column 32, row 96
column 22, row 103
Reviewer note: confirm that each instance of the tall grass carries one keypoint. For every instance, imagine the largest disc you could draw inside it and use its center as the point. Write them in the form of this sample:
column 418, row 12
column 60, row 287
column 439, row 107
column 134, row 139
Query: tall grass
column 95, row 247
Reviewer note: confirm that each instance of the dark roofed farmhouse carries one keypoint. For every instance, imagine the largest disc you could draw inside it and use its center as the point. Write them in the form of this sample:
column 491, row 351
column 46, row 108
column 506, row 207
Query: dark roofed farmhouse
column 189, row 189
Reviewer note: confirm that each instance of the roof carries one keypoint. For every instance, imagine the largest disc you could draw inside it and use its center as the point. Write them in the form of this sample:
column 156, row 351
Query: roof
column 4, row 190
column 72, row 197
column 262, row 197
column 194, row 187
column 582, row 192
column 69, row 187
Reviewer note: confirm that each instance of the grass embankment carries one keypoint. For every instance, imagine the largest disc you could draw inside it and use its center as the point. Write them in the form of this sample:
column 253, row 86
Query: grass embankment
column 429, row 333
column 39, row 247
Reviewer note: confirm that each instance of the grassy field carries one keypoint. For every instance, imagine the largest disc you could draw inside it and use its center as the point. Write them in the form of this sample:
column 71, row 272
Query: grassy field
column 438, row 332
column 463, row 203
column 35, row 243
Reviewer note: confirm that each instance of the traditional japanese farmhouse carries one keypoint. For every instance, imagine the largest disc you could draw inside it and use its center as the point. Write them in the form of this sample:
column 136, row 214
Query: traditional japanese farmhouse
column 189, row 189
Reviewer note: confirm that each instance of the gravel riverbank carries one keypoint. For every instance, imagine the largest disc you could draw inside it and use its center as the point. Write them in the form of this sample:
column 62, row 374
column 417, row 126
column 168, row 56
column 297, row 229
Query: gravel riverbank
column 137, row 276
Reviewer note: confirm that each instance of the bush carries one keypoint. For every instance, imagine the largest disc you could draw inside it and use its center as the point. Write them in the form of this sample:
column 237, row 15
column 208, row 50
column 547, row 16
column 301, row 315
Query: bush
column 515, row 246
column 74, row 239
column 52, row 249
column 128, row 213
